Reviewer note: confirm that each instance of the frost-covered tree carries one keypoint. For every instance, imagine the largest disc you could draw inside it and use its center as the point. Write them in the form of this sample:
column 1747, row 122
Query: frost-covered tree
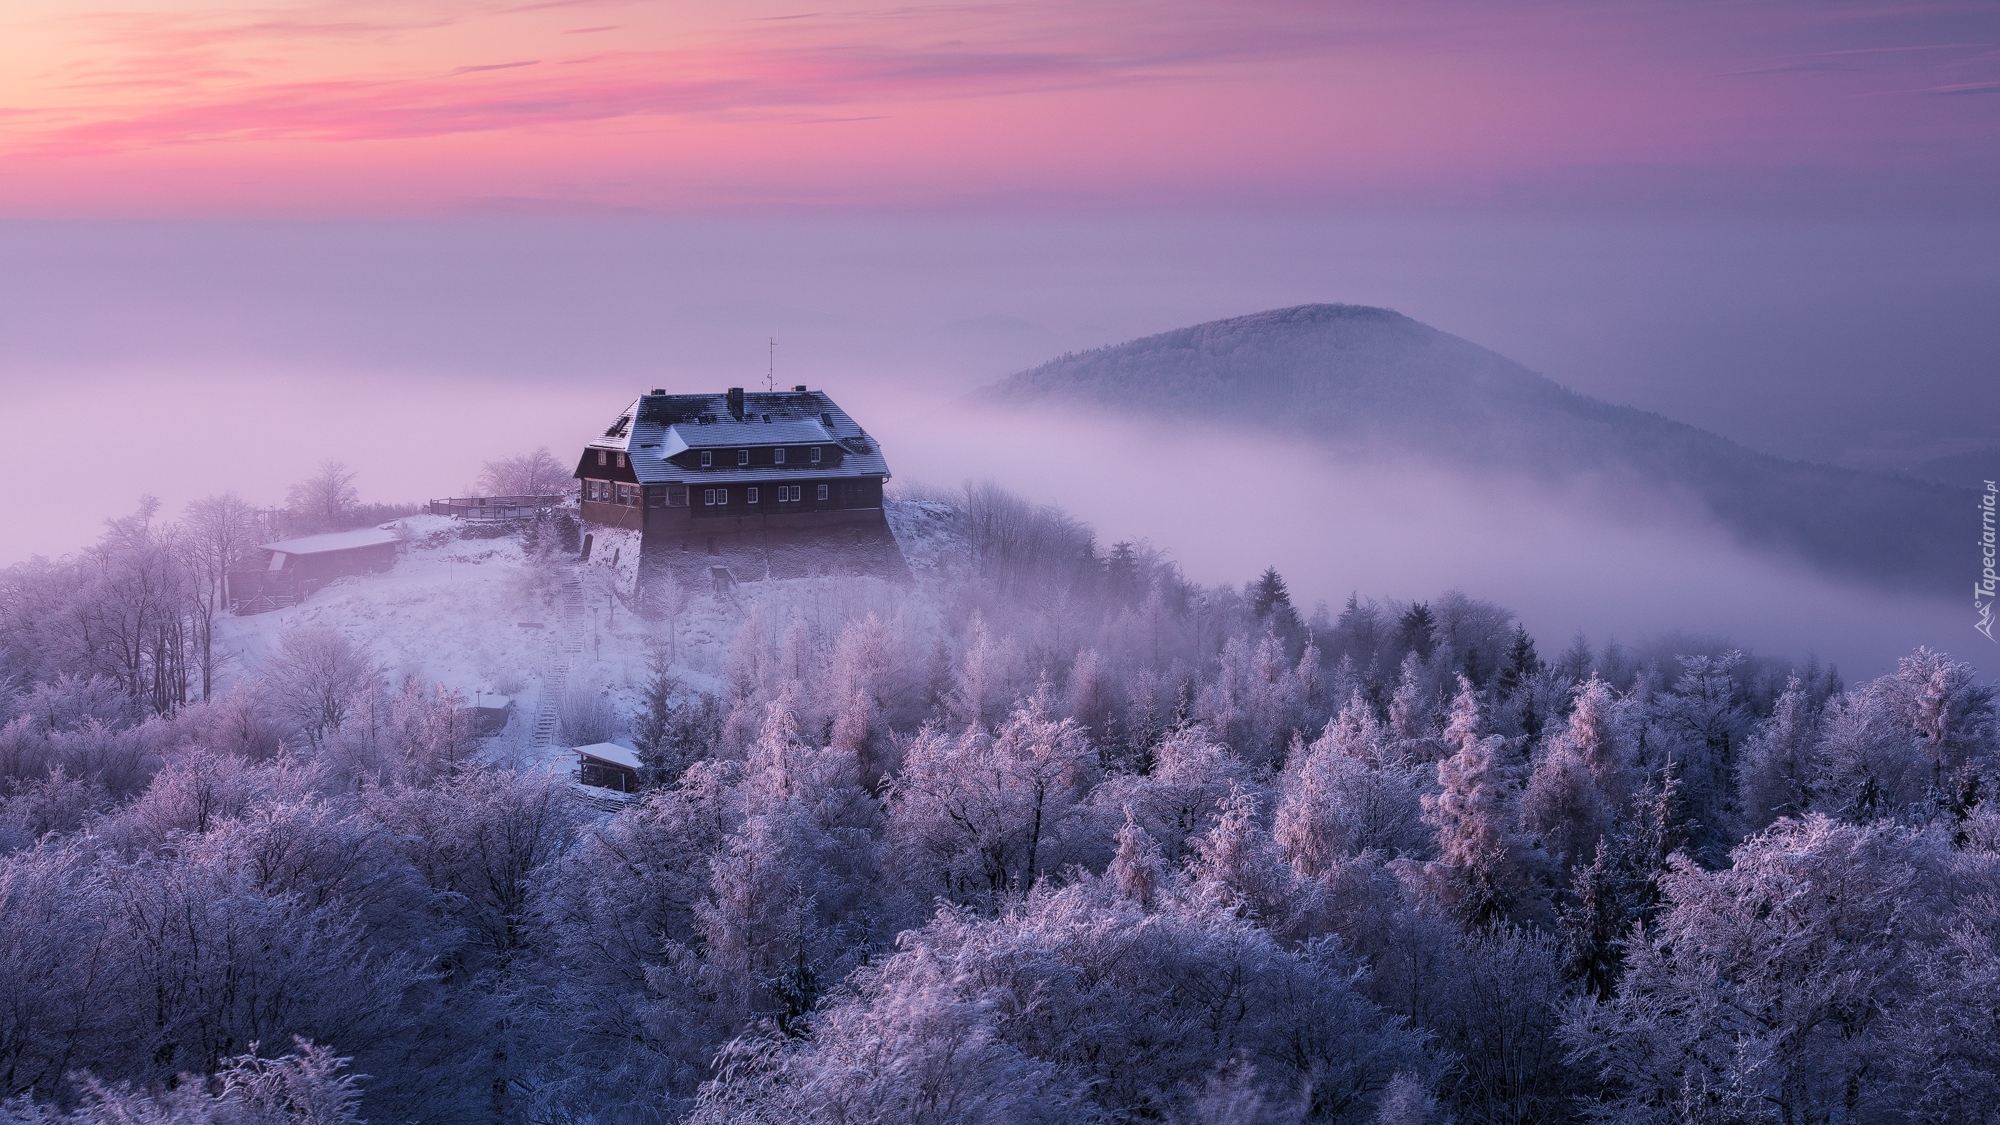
column 306, row 1086
column 1137, row 868
column 1783, row 763
column 1236, row 868
column 1952, row 717
column 525, row 474
column 1346, row 795
column 219, row 533
column 675, row 726
column 1581, row 780
column 974, row 819
column 1563, row 808
column 323, row 501
column 982, row 682
column 312, row 680
column 1485, row 862
column 1259, row 700
column 1079, row 1004
column 1872, row 765
column 1705, row 720
column 1177, row 800
column 619, row 989
column 1413, row 712
column 1768, row 991
column 793, row 890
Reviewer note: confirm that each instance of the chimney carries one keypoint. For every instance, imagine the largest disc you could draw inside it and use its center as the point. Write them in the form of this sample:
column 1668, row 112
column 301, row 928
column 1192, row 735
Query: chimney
column 736, row 403
column 800, row 387
column 659, row 390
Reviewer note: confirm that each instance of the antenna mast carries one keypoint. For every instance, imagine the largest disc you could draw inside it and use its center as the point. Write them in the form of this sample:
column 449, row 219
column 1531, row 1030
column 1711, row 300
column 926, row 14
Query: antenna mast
column 771, row 372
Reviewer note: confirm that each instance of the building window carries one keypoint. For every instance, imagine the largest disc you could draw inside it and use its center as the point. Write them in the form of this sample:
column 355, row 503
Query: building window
column 707, row 458
column 743, row 457
column 621, row 460
column 715, row 497
column 677, row 496
column 815, row 455
column 602, row 457
column 750, row 496
column 788, row 494
column 777, row 456
column 822, row 492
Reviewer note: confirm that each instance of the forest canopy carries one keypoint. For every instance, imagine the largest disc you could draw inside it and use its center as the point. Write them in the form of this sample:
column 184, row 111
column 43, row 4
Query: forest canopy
column 1054, row 834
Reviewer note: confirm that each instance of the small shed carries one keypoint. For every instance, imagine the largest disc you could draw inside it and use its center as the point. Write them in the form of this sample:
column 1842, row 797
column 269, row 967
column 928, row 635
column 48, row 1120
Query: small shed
column 490, row 713
column 608, row 765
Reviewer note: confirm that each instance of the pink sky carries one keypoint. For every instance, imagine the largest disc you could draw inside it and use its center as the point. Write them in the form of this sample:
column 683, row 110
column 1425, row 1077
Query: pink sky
column 415, row 107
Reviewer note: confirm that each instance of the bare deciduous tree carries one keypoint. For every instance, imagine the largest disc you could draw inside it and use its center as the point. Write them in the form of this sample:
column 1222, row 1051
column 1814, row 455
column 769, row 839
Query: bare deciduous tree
column 218, row 533
column 524, row 474
column 314, row 678
column 324, row 500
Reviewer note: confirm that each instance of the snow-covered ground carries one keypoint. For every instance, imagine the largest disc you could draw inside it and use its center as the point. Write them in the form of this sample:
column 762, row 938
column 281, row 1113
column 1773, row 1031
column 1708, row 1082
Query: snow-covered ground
column 475, row 616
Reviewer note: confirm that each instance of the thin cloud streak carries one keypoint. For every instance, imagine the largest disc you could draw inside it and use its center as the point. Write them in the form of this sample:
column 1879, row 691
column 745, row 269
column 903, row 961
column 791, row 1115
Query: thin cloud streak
column 494, row 66
column 631, row 84
column 1266, row 100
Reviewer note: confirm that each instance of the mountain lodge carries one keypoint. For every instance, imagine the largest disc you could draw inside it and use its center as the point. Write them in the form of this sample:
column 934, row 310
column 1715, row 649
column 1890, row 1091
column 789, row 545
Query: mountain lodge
column 709, row 473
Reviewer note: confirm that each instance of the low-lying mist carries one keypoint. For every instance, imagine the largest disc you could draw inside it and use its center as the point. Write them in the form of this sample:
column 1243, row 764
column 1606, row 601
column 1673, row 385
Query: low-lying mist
column 186, row 359
column 1606, row 557
column 1609, row 559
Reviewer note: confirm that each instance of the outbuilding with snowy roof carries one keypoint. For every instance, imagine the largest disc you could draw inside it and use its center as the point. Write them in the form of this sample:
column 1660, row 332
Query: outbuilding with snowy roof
column 289, row 569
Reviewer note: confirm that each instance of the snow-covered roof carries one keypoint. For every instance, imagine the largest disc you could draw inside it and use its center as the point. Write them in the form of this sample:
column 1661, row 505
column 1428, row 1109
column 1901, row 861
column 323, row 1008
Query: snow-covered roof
column 777, row 431
column 333, row 541
column 658, row 426
column 611, row 752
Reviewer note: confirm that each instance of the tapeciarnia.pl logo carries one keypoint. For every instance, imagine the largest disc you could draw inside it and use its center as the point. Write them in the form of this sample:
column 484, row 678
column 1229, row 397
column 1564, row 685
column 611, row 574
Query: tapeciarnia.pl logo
column 1983, row 590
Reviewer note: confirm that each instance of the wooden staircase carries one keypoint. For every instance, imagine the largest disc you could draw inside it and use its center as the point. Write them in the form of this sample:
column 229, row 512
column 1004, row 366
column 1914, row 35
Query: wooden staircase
column 566, row 644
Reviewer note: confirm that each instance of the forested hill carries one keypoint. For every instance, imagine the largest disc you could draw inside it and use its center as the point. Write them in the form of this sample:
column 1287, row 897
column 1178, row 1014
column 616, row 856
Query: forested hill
column 1356, row 376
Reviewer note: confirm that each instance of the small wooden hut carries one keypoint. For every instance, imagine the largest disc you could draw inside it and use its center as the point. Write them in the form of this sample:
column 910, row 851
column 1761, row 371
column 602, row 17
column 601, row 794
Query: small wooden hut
column 608, row 765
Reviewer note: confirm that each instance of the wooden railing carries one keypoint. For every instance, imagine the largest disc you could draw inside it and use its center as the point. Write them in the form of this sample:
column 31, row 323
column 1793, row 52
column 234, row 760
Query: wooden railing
column 493, row 507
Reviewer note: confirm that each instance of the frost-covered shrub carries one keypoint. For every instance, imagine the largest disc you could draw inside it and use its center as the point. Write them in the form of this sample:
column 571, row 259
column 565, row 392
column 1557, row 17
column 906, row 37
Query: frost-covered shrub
column 307, row 1086
column 584, row 716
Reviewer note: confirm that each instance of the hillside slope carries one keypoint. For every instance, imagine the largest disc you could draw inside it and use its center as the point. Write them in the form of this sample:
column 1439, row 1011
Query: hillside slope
column 1359, row 377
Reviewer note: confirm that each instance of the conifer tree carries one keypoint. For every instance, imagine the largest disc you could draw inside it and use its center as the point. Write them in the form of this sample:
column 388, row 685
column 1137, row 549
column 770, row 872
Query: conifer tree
column 1414, row 630
column 1485, row 860
column 1520, row 665
column 673, row 730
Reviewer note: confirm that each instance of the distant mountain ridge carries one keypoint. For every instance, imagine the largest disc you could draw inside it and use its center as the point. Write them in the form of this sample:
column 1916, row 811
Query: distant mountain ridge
column 1354, row 375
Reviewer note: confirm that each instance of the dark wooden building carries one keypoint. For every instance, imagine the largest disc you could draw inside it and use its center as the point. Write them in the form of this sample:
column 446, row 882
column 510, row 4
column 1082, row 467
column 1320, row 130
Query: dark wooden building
column 607, row 765
column 703, row 473
column 291, row 569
